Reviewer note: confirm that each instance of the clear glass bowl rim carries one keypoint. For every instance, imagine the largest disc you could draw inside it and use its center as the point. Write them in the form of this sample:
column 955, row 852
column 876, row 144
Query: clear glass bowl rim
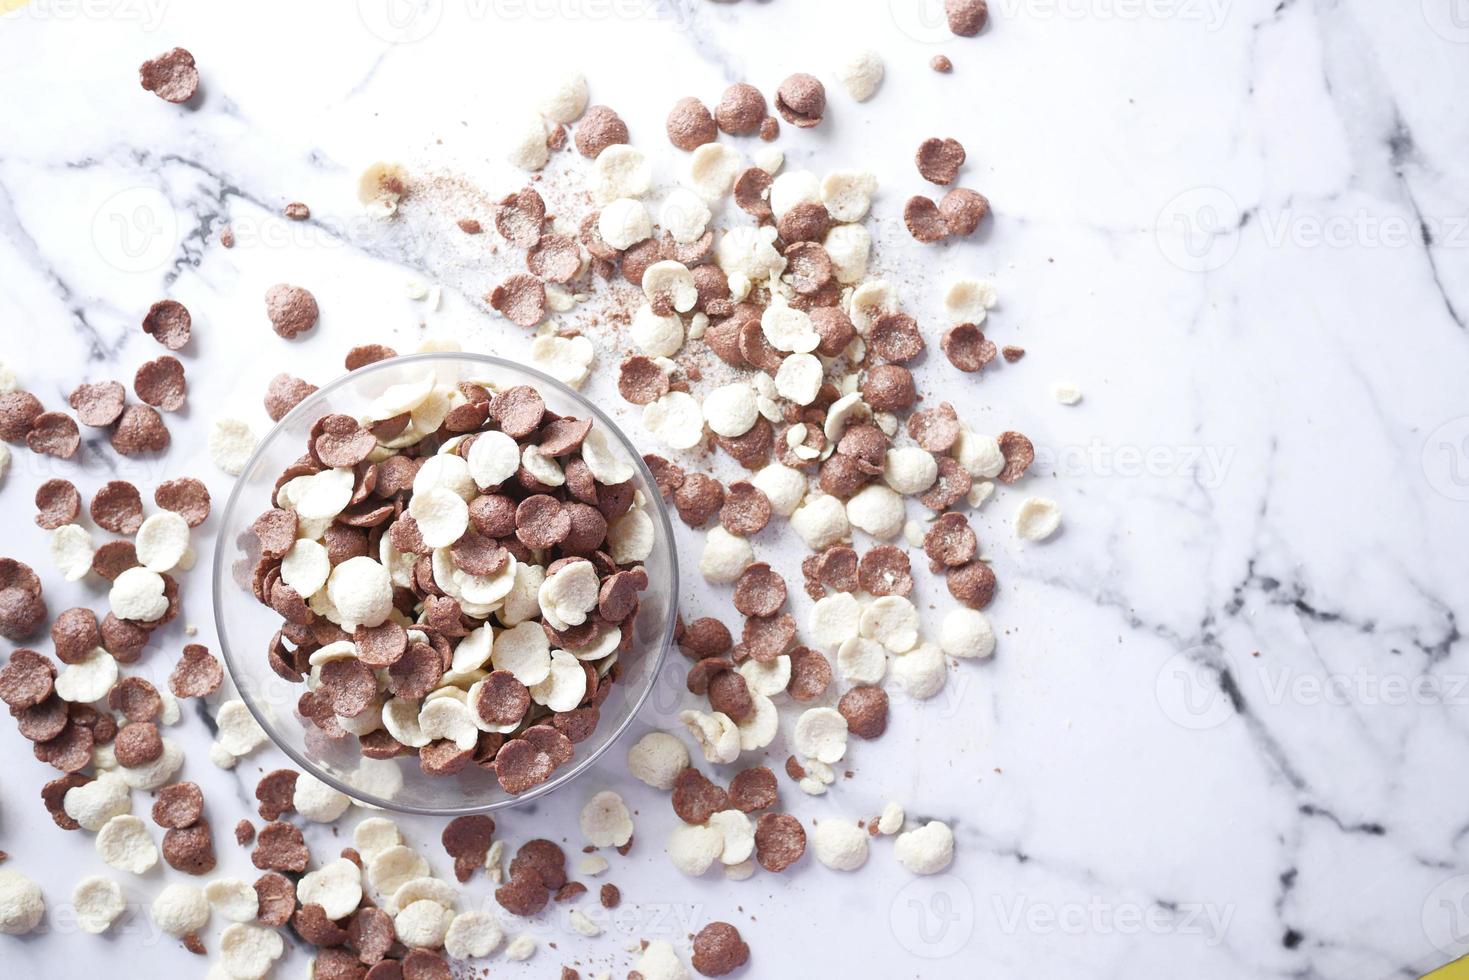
column 222, row 578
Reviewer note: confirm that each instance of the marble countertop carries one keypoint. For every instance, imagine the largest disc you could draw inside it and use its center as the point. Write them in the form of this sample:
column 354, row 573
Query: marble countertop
column 1221, row 734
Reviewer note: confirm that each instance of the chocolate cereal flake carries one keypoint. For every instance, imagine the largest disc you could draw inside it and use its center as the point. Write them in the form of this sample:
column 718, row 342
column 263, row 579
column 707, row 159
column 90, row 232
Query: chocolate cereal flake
column 866, row 711
column 690, row 124
column 780, row 840
column 168, row 322
column 753, row 789
column 972, row 584
column 98, row 404
column 801, row 100
column 197, row 674
column 967, row 348
column 18, row 412
column 160, row 383
column 966, row 17
column 118, row 507
column 140, row 430
column 292, row 310
column 171, row 76
column 939, row 160
column 521, row 299
column 57, row 503
column 598, row 129
column 925, row 222
column 179, row 805
column 54, row 434
column 962, row 210
column 185, row 496
column 285, row 392
column 740, row 110
column 719, row 950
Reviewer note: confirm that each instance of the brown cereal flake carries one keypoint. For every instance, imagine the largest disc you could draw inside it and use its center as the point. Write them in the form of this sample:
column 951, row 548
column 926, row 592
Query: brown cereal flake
column 118, row 507
column 950, row 542
column 752, row 192
column 690, row 124
column 780, row 840
column 598, row 129
column 641, row 381
column 766, row 638
column 885, row 570
column 98, row 404
column 939, row 160
column 866, row 711
column 136, row 698
column 1019, row 453
column 810, row 674
column 277, row 896
column 746, row 509
column 18, row 412
column 972, row 584
column 695, row 798
column 279, row 847
column 719, row 950
column 962, row 210
column 895, row 337
column 741, row 109
column 759, row 591
column 160, row 383
column 140, row 430
column 925, row 222
column 801, row 100
column 179, row 805
column 966, row 17
column 753, row 789
column 171, row 76
column 54, row 434
column 197, row 674
column 57, row 503
column 292, row 310
column 137, row 744
column 554, row 258
column 467, row 839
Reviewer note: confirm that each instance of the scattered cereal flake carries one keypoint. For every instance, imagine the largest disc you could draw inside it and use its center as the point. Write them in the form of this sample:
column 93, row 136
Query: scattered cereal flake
column 839, row 844
column 97, row 902
column 620, row 171
column 564, row 98
column 592, row 865
column 624, row 222
column 782, row 485
column 847, row 194
column 731, row 410
column 966, row 633
column 306, row 567
column 713, row 168
column 861, row 74
column 238, row 731
column 233, row 898
column 231, row 442
column 787, row 328
column 162, row 541
column 969, row 300
column 694, row 847
column 528, row 149
column 660, row 962
column 222, row 757
column 737, row 833
column 374, row 835
column 792, row 188
column 820, row 734
column 605, row 821
column 393, row 866
column 849, row 247
column 684, row 215
column 799, row 378
column 362, row 591
column 138, row 594
column 123, row 843
column 758, row 728
column 892, row 621
column 768, row 679
column 317, row 801
column 93, row 804
column 521, row 948
column 423, row 924
column 89, row 679
column 835, row 619
column 21, row 904
column 862, row 661
column 910, row 469
column 921, row 672
column 72, row 551
column 655, row 335
column 657, row 758
column 820, row 521
column 336, row 887
column 567, row 359
column 725, row 556
column 891, row 820
column 583, row 925
column 180, row 909
column 1037, row 518
column 717, row 735
column 877, row 510
column 247, row 952
column 927, row 850
column 770, row 159
column 473, row 933
column 1066, row 392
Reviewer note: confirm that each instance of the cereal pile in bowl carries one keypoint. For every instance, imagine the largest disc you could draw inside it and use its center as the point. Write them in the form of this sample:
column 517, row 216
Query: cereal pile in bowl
column 457, row 572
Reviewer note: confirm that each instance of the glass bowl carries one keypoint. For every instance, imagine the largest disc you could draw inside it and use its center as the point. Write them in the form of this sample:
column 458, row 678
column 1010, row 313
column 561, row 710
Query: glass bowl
column 246, row 627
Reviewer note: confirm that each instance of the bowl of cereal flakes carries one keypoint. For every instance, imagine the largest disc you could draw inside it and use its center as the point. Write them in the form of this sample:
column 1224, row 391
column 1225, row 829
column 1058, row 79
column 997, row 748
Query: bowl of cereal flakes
column 445, row 583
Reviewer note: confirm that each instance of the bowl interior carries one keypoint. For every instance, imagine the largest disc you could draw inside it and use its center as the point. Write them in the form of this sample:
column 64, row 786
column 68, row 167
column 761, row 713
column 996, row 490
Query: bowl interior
column 246, row 627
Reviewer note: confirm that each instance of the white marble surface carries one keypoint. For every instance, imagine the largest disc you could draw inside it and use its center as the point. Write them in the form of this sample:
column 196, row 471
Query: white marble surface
column 1207, row 215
